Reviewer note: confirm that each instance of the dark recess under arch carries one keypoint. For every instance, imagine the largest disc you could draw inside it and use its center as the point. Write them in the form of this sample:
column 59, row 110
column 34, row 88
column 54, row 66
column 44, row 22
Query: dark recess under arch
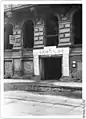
column 77, row 23
column 28, row 34
column 8, row 30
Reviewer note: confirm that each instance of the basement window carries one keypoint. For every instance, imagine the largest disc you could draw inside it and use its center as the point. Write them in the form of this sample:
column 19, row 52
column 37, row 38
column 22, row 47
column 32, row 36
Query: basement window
column 51, row 37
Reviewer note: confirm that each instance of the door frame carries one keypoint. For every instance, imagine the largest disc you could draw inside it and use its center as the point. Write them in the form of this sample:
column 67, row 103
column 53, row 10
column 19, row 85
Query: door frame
column 64, row 52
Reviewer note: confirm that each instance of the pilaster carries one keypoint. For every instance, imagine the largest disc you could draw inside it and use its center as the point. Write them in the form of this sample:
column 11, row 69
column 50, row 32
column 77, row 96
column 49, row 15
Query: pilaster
column 65, row 31
column 39, row 34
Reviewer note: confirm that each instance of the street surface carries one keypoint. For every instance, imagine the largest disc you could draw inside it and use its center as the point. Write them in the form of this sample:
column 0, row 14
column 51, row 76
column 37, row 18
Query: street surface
column 21, row 103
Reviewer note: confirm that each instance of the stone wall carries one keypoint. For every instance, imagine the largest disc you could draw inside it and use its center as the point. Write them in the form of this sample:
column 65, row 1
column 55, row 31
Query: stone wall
column 39, row 34
column 17, row 63
column 8, row 71
column 23, row 61
column 65, row 32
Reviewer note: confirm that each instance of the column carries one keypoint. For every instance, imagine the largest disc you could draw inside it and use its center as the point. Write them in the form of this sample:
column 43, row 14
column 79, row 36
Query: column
column 65, row 65
column 36, row 65
column 17, row 53
column 17, row 34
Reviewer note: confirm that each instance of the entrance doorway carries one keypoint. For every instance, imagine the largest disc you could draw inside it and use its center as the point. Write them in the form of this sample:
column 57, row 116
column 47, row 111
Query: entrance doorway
column 50, row 68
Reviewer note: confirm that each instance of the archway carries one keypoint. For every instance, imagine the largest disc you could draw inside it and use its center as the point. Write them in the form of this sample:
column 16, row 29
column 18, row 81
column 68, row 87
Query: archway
column 77, row 23
column 8, row 30
column 28, row 34
column 51, row 24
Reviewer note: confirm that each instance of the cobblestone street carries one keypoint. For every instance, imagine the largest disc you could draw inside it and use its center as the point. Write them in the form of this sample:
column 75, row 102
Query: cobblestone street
column 21, row 103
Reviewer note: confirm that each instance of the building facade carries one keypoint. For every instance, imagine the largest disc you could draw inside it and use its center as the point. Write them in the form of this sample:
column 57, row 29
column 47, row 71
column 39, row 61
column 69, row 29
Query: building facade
column 43, row 41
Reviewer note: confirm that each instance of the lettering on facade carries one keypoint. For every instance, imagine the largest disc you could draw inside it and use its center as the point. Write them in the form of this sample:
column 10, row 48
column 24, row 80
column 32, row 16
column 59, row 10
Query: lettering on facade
column 50, row 51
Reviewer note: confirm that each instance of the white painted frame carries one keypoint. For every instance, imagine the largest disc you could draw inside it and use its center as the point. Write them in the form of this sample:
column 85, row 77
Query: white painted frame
column 51, row 51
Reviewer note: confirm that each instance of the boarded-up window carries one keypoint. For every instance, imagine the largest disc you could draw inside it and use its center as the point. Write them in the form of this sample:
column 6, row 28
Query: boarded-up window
column 8, row 68
column 28, row 67
column 17, row 66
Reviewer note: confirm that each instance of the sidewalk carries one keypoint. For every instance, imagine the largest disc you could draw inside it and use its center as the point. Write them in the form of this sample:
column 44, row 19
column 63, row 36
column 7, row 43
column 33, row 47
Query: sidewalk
column 28, row 96
column 62, row 84
column 29, row 103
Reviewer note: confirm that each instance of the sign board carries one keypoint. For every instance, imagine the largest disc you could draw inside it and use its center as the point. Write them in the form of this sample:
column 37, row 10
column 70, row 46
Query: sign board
column 15, row 40
column 51, row 51
column 11, row 39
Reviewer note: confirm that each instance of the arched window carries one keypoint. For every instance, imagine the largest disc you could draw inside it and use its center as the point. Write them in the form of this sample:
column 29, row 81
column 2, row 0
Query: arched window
column 77, row 23
column 28, row 34
column 8, row 30
column 51, row 31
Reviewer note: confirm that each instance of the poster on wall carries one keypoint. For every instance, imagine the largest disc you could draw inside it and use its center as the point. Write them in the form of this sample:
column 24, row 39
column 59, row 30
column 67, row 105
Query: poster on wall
column 11, row 39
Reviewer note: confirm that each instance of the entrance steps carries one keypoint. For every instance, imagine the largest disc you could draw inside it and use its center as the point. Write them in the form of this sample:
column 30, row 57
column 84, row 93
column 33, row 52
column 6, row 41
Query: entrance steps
column 70, row 89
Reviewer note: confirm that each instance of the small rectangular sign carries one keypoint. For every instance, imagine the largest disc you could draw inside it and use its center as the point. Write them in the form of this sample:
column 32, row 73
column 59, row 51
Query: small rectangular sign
column 11, row 39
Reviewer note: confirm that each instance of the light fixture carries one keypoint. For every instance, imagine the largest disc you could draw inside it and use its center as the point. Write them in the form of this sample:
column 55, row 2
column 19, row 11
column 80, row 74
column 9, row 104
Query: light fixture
column 74, row 64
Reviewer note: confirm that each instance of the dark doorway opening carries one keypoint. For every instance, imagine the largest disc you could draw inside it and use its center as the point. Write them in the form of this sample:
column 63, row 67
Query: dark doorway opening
column 28, row 34
column 51, row 68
